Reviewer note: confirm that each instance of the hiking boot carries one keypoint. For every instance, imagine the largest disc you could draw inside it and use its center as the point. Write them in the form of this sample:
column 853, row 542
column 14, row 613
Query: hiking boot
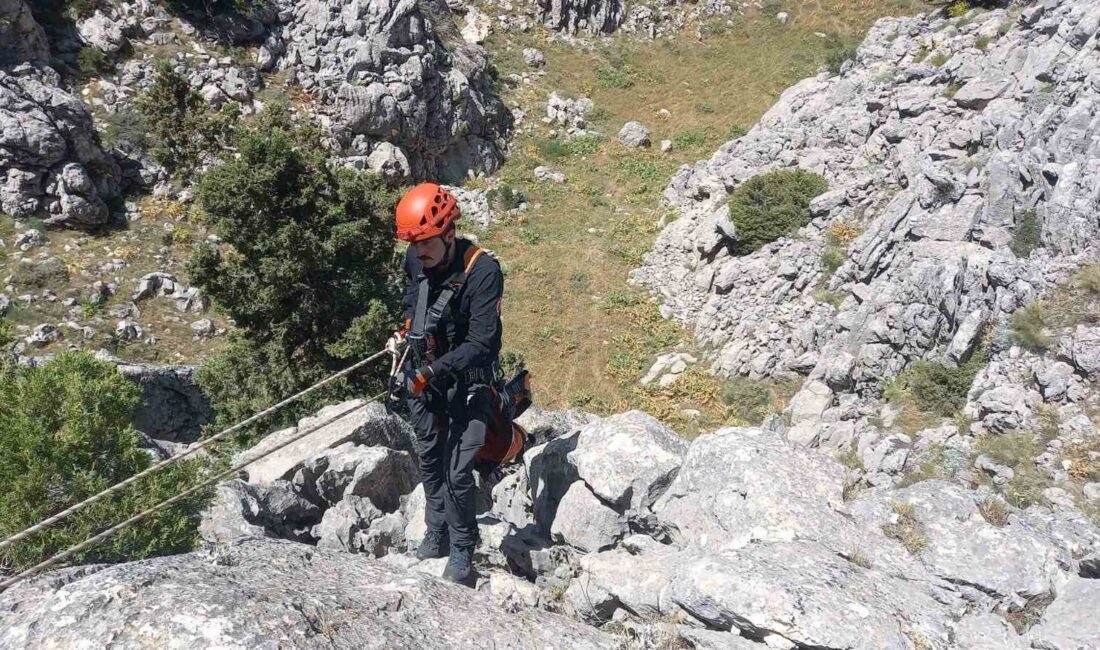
column 434, row 545
column 460, row 565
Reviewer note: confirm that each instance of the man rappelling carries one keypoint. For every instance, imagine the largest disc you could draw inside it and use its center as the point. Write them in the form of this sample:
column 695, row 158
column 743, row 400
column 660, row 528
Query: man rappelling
column 452, row 328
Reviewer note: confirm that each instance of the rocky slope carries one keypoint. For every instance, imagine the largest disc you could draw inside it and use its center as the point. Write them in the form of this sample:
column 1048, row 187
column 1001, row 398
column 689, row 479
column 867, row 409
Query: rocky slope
column 948, row 146
column 738, row 539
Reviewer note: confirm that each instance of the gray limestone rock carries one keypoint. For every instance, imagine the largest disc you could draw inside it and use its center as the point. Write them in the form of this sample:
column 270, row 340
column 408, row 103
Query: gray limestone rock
column 634, row 135
column 270, row 592
column 1070, row 622
column 365, row 424
column 1018, row 558
column 628, row 460
column 51, row 163
column 586, row 523
column 21, row 37
column 398, row 72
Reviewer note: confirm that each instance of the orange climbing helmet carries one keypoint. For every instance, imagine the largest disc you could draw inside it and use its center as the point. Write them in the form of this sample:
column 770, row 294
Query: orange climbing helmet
column 425, row 211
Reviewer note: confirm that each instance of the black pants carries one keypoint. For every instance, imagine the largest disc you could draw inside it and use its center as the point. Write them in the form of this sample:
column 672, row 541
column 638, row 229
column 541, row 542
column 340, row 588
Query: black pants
column 450, row 429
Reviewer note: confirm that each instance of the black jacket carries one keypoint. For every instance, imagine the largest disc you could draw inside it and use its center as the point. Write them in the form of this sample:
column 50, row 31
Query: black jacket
column 470, row 331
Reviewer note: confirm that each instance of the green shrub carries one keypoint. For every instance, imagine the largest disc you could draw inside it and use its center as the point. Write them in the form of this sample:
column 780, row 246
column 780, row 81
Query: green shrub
column 831, row 259
column 736, row 131
column 640, row 168
column 609, row 77
column 958, row 9
column 182, row 126
column 1027, row 234
column 126, row 130
column 584, row 145
column 691, row 138
column 504, row 198
column 837, row 57
column 1028, row 324
column 939, row 58
column 92, row 61
column 982, row 42
column 939, row 389
column 951, row 90
column 308, row 272
column 552, row 149
column 65, row 434
column 578, row 282
column 772, row 205
column 704, row 108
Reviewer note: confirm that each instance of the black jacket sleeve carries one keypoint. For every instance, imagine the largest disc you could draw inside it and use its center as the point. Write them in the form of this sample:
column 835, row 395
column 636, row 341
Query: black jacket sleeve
column 484, row 288
column 408, row 301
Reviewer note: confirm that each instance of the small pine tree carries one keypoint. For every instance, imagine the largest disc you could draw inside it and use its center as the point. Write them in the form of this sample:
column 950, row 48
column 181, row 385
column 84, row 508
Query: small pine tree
column 66, row 434
column 182, row 127
column 308, row 268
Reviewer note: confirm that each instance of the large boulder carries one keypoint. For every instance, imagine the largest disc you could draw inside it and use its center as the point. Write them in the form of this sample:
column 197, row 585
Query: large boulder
column 269, row 593
column 628, row 460
column 172, row 406
column 51, row 163
column 1017, row 558
column 364, row 424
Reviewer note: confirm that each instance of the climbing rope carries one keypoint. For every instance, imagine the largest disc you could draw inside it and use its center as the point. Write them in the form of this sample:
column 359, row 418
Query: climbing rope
column 73, row 550
column 192, row 449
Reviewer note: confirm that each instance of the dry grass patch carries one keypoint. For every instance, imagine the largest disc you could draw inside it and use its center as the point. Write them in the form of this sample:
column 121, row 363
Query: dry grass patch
column 906, row 528
column 599, row 224
column 994, row 511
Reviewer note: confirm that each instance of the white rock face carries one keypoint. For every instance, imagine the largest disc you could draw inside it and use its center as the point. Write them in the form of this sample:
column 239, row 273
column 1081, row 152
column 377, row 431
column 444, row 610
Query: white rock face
column 936, row 185
column 383, row 74
column 233, row 603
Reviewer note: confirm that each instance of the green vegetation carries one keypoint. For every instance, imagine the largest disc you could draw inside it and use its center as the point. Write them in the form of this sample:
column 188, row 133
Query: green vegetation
column 939, row 58
column 607, row 77
column 1028, row 328
column 772, row 205
column 92, row 61
column 127, row 130
column 951, row 90
column 1017, row 450
column 1027, row 235
column 65, row 434
column 982, row 42
column 837, row 57
column 182, row 126
column 939, row 389
column 503, row 198
column 736, row 131
column 308, row 269
column 838, row 237
column 958, row 9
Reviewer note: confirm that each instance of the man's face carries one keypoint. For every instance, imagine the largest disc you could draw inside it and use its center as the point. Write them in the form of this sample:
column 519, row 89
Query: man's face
column 431, row 252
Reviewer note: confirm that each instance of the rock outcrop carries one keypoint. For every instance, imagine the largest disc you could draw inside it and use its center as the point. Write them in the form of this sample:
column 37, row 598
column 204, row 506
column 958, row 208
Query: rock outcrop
column 51, row 163
column 940, row 143
column 21, row 37
column 269, row 594
column 394, row 72
column 738, row 539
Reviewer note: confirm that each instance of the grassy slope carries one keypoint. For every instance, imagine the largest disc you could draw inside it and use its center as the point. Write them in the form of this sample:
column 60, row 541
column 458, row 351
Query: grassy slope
column 567, row 305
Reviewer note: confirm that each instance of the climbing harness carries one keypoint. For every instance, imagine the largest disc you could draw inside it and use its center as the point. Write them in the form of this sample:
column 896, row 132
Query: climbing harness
column 504, row 440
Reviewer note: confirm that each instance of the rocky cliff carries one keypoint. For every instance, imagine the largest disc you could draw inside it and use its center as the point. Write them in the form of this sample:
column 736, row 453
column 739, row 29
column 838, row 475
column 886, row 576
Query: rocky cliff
column 738, row 539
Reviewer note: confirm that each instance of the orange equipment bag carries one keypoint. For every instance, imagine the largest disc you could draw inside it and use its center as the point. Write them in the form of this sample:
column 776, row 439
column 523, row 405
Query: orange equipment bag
column 505, row 440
